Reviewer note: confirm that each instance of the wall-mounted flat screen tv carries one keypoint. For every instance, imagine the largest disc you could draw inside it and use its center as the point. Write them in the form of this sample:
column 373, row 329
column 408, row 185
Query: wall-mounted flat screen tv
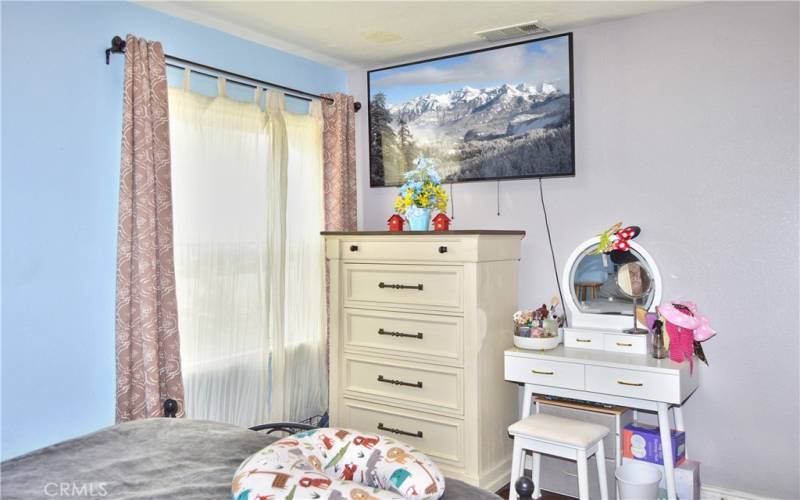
column 499, row 113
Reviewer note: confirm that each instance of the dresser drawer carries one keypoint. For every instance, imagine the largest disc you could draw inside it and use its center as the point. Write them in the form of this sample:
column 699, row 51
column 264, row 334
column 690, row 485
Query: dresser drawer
column 416, row 249
column 583, row 339
column 629, row 343
column 633, row 383
column 439, row 287
column 424, row 386
column 425, row 336
column 544, row 372
column 440, row 438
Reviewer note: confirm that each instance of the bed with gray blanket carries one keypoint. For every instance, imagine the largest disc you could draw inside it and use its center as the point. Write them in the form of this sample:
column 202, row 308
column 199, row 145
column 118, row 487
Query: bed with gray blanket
column 155, row 458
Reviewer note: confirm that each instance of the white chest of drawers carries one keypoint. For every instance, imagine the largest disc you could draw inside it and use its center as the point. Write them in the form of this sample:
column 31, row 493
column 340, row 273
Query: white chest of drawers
column 419, row 323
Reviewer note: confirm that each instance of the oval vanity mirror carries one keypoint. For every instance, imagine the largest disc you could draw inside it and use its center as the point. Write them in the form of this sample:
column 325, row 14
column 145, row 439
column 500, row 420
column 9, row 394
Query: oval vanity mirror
column 600, row 293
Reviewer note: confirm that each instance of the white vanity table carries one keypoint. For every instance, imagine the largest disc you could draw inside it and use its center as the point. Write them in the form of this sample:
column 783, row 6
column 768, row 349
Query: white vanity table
column 636, row 381
column 631, row 380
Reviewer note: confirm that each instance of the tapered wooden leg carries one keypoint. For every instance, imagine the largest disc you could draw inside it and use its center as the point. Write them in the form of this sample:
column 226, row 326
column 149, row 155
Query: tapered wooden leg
column 666, row 447
column 517, row 459
column 600, row 456
column 583, row 476
column 537, row 475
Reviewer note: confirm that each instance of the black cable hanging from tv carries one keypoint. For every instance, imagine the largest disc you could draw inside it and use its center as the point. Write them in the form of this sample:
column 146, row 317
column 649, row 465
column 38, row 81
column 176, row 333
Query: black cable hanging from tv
column 498, row 197
column 452, row 203
column 552, row 253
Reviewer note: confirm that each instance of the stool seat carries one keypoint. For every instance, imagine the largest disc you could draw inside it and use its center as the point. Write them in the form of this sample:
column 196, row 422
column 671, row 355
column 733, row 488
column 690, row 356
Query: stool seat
column 559, row 430
column 560, row 437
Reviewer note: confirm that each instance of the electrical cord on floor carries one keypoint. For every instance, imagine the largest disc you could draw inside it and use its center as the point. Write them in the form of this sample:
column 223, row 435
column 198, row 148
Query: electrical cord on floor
column 552, row 252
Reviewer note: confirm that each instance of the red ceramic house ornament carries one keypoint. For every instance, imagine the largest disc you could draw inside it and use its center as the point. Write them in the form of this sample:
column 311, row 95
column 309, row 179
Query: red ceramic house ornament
column 395, row 223
column 441, row 222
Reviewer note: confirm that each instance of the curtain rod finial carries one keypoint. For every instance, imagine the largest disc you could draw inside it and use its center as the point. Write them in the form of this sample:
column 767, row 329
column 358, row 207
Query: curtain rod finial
column 117, row 47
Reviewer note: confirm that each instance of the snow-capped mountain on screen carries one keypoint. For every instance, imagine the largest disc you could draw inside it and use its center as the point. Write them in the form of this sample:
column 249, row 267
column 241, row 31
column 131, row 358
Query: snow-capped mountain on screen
column 470, row 97
column 476, row 114
column 470, row 133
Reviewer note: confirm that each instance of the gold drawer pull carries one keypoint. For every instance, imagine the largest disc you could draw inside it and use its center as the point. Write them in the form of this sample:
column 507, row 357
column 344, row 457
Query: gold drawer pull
column 624, row 344
column 583, row 340
column 537, row 372
column 633, row 384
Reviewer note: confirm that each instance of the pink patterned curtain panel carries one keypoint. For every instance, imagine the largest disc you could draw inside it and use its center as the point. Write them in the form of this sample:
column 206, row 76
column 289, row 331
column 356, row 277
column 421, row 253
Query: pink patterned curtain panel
column 147, row 343
column 339, row 162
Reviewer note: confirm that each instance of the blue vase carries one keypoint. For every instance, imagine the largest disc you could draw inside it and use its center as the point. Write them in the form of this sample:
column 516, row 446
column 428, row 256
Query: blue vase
column 419, row 219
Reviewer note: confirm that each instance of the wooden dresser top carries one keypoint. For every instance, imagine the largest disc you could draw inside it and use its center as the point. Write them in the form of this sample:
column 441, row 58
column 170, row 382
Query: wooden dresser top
column 463, row 232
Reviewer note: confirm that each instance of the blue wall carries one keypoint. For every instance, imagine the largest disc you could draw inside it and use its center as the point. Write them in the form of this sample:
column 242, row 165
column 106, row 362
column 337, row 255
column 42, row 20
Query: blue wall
column 61, row 122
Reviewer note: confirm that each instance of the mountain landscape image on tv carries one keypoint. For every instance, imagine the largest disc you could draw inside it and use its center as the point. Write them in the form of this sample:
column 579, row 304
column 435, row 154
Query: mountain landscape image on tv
column 498, row 113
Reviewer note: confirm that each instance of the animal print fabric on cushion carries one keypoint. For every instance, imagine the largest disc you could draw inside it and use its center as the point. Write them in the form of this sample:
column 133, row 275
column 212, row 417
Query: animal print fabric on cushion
column 338, row 464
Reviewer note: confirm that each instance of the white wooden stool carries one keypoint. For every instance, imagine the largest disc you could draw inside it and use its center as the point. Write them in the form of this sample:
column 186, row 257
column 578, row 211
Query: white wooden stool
column 561, row 437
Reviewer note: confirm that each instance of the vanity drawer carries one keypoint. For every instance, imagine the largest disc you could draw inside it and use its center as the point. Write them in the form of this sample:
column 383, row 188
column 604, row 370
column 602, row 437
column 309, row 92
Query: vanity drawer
column 632, row 344
column 633, row 383
column 427, row 336
column 439, row 287
column 417, row 250
column 544, row 372
column 584, row 339
column 440, row 438
column 422, row 385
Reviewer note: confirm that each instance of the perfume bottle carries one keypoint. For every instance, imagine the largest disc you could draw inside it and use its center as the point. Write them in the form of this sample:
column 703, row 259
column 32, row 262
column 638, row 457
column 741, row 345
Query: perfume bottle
column 657, row 348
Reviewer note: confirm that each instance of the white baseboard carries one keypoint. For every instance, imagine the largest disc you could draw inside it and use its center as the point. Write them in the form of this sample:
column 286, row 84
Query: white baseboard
column 710, row 492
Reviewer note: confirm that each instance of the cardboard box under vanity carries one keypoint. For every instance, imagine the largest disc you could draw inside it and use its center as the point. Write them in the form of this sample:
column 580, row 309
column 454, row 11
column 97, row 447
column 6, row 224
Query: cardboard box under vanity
column 643, row 442
column 687, row 479
column 560, row 475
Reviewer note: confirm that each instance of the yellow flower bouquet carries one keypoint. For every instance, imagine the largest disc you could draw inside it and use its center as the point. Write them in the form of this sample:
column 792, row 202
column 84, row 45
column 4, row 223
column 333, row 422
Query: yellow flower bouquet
column 421, row 192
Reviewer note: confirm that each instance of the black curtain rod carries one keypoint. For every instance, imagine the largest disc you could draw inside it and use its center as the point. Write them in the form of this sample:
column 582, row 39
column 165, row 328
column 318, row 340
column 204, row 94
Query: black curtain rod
column 118, row 47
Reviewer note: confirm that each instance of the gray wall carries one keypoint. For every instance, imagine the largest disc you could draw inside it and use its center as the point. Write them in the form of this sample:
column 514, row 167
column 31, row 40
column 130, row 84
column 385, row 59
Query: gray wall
column 686, row 124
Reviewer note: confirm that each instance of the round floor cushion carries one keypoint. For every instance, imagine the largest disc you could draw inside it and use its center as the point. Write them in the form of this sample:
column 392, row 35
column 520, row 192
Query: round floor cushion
column 337, row 464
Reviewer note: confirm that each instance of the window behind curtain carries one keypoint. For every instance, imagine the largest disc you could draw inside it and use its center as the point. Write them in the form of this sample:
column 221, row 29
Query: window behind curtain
column 221, row 154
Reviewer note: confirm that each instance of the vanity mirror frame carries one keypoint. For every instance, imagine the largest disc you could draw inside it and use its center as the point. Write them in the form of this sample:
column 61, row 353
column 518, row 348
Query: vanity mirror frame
column 610, row 322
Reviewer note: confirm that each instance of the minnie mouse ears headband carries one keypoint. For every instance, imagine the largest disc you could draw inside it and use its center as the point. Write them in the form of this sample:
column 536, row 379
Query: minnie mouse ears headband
column 615, row 241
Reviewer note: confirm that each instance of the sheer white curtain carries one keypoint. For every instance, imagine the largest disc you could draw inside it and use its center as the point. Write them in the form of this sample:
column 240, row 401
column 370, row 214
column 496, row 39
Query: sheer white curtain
column 233, row 183
column 305, row 345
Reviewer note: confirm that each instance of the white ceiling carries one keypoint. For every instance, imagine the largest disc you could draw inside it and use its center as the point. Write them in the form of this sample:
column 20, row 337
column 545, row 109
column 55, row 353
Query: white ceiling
column 370, row 34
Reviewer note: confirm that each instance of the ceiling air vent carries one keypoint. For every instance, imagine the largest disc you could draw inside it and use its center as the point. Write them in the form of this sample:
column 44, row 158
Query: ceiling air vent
column 515, row 31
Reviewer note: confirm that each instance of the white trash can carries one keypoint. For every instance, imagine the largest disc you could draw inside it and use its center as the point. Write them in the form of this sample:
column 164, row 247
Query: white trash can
column 638, row 481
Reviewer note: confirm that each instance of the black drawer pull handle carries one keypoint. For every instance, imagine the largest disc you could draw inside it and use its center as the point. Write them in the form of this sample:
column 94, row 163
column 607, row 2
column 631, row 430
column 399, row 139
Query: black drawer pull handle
column 392, row 381
column 382, row 427
column 400, row 287
column 354, row 248
column 381, row 331
column 442, row 249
